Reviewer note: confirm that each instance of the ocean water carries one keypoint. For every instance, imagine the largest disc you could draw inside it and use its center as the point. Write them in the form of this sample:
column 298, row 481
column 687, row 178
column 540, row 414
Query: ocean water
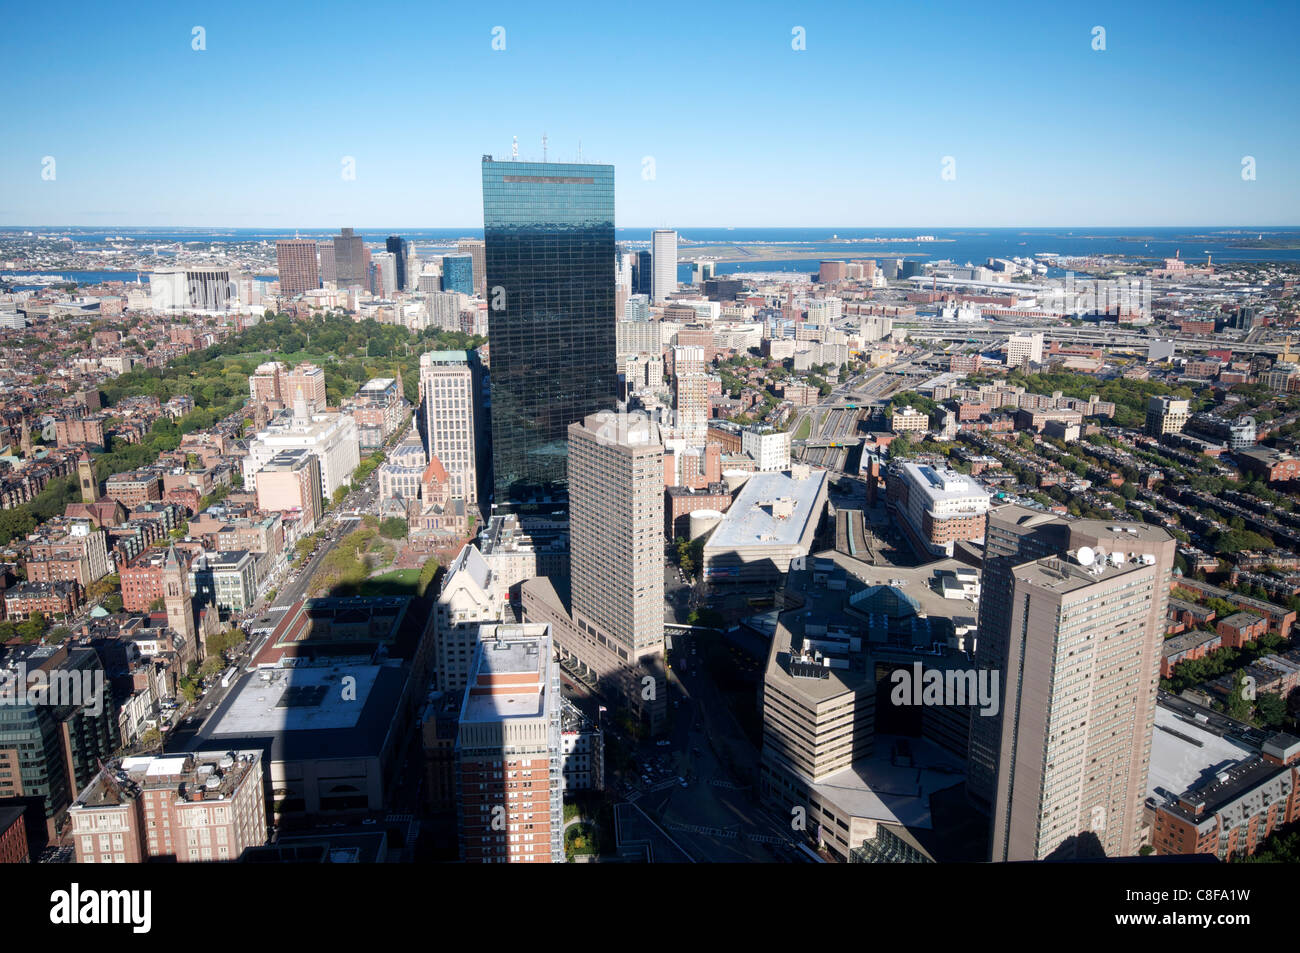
column 962, row 245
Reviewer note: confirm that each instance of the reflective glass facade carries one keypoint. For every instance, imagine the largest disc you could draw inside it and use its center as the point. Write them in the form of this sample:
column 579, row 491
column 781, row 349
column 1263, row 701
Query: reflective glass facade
column 398, row 246
column 458, row 274
column 550, row 259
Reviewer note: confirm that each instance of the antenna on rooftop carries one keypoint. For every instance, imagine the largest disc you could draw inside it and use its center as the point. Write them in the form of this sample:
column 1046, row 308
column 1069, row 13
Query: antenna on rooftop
column 514, row 150
column 543, row 147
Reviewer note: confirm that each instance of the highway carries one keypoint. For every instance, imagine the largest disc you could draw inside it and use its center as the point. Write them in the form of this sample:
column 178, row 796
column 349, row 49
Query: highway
column 1111, row 336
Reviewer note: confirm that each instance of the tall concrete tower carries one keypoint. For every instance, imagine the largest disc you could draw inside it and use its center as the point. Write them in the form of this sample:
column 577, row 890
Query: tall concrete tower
column 663, row 255
column 1078, row 638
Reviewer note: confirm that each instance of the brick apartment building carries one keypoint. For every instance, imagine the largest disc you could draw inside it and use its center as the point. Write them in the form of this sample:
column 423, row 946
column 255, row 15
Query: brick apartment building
column 52, row 599
column 206, row 806
column 1214, row 792
column 1241, row 627
column 134, row 487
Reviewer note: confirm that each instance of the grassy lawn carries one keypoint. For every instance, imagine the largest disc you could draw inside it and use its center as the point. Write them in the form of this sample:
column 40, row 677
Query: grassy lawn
column 399, row 582
column 805, row 428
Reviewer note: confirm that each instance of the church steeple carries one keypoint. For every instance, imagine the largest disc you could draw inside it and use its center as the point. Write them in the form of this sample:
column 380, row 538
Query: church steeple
column 86, row 477
column 176, row 598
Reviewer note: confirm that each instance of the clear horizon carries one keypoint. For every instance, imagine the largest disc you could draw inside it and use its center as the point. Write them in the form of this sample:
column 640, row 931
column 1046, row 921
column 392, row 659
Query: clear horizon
column 394, row 228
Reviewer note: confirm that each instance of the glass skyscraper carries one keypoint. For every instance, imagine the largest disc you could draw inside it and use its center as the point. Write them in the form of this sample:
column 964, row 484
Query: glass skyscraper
column 458, row 273
column 550, row 256
column 397, row 245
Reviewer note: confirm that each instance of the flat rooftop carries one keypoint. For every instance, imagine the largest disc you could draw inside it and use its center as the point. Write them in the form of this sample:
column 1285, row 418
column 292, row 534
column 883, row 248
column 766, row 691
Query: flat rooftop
column 750, row 521
column 499, row 666
column 217, row 773
column 940, row 484
column 309, row 711
column 1062, row 575
column 882, row 790
column 1185, row 752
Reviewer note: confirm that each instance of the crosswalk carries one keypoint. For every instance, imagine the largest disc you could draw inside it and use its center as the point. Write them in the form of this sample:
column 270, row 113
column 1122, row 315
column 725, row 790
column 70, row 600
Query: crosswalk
column 729, row 785
column 718, row 832
column 728, row 834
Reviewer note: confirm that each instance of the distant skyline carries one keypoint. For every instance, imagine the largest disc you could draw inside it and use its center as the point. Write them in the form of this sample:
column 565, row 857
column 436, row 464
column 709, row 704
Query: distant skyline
column 743, row 130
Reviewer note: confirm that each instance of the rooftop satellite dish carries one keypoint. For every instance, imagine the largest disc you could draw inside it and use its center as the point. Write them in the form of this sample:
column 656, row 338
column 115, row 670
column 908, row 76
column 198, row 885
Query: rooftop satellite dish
column 1085, row 555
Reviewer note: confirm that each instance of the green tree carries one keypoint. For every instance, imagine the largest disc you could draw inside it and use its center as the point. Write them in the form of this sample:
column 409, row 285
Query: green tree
column 32, row 628
column 1270, row 710
column 393, row 528
column 1237, row 705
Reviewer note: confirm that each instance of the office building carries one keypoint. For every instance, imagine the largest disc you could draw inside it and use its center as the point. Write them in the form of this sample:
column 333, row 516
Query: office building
column 549, row 248
column 296, row 261
column 191, row 808
column 331, row 437
column 663, row 252
column 616, row 512
column 1166, row 415
column 509, row 751
column 351, row 260
column 400, row 250
column 458, row 274
column 449, row 385
column 226, row 580
column 909, row 420
column 308, row 380
column 519, row 546
column 867, row 769
column 939, row 507
column 378, row 408
column 769, row 447
column 469, row 600
column 383, row 274
column 773, row 520
column 192, row 289
column 444, row 308
column 474, row 248
column 325, row 252
column 53, row 750
column 1024, row 347
column 613, row 625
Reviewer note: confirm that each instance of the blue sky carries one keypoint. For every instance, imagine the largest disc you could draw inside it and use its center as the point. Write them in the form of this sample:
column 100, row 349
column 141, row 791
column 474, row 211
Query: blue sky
column 743, row 130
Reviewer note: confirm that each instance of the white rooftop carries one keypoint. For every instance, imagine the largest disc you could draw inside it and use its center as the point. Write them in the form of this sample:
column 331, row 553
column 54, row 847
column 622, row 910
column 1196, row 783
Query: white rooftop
column 1179, row 762
column 753, row 520
column 302, row 698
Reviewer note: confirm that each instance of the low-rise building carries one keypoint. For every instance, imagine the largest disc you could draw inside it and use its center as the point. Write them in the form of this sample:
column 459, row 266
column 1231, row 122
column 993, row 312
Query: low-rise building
column 1216, row 786
column 191, row 808
column 774, row 518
